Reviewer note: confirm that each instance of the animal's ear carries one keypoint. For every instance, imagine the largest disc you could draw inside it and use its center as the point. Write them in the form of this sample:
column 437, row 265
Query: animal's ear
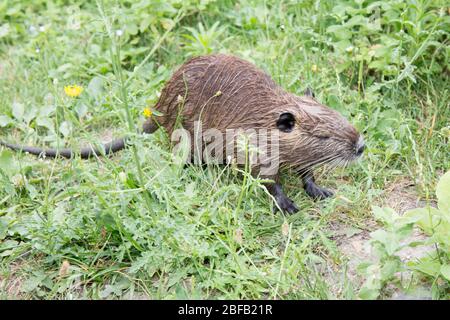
column 286, row 122
column 309, row 92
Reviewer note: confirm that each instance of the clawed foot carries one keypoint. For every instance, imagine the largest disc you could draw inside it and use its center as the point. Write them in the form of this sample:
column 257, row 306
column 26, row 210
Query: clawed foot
column 285, row 204
column 312, row 189
column 316, row 192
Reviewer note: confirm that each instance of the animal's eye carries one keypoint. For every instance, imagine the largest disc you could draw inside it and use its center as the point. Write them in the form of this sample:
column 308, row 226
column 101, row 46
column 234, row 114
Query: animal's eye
column 286, row 122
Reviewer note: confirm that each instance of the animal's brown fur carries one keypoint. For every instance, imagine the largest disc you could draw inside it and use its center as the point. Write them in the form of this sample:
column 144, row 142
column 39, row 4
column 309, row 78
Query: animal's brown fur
column 230, row 93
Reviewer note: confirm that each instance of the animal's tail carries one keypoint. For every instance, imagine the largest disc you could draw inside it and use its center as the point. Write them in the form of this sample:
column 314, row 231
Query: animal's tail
column 149, row 126
column 84, row 153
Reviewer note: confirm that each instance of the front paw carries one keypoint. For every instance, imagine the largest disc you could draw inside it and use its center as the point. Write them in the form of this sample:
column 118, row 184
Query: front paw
column 316, row 192
column 286, row 204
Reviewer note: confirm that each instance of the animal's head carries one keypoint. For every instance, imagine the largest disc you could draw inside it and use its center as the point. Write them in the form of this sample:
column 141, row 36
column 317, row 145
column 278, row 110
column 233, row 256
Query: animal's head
column 312, row 134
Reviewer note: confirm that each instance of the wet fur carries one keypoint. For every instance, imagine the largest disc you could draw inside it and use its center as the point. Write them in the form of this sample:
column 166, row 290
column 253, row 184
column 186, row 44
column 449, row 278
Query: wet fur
column 249, row 99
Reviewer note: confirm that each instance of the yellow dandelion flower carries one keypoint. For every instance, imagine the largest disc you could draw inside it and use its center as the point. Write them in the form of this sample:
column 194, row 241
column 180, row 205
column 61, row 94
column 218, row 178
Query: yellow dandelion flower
column 73, row 90
column 148, row 112
column 314, row 68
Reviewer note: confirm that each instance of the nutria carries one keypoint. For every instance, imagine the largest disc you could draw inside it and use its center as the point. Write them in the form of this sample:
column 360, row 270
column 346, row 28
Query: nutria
column 225, row 92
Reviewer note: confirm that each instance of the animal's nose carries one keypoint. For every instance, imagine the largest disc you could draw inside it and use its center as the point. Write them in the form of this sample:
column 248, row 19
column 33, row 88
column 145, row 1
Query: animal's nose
column 360, row 146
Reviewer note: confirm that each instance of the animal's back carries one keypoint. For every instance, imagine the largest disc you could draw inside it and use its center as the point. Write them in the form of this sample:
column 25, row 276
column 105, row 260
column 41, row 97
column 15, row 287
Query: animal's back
column 224, row 91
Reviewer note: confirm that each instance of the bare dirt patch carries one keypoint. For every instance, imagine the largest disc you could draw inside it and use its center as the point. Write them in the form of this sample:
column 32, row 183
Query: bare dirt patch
column 401, row 195
column 11, row 283
column 353, row 243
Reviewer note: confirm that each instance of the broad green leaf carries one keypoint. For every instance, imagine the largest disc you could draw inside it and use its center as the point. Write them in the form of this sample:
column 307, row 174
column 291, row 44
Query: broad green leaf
column 356, row 20
column 390, row 268
column 18, row 110
column 385, row 215
column 65, row 128
column 389, row 240
column 341, row 32
column 46, row 110
column 5, row 121
column 95, row 87
column 59, row 214
column 32, row 283
column 445, row 271
column 107, row 291
column 362, row 267
column 380, row 235
column 144, row 24
column 4, row 30
column 442, row 235
column 6, row 161
column 369, row 294
column 45, row 122
column 427, row 218
column 30, row 114
column 443, row 193
column 403, row 230
column 7, row 247
column 428, row 265
column 81, row 109
column 64, row 67
column 3, row 229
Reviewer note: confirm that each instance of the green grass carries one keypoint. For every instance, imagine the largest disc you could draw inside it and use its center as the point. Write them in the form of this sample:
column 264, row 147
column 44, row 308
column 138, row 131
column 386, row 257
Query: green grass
column 138, row 225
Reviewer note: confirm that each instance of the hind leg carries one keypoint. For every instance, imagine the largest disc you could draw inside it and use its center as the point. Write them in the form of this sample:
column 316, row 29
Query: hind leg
column 312, row 189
